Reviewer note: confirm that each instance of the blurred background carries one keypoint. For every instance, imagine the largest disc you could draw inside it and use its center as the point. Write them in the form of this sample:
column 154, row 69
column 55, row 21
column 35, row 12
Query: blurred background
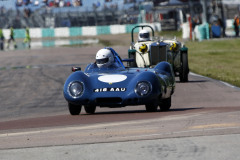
column 75, row 13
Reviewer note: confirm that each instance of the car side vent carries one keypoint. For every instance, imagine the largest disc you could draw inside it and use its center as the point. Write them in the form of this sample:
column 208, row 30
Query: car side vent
column 109, row 100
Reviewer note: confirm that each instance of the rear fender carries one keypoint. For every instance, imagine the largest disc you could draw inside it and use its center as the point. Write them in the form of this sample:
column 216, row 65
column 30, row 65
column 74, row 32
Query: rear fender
column 164, row 68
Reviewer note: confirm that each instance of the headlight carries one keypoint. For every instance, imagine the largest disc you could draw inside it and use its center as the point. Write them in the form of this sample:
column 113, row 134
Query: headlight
column 143, row 88
column 75, row 89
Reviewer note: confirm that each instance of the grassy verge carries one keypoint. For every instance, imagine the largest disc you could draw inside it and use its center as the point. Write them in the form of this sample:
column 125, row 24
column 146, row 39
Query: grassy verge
column 218, row 59
column 170, row 34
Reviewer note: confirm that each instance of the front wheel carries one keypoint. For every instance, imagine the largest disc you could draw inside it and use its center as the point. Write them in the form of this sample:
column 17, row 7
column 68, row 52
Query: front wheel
column 184, row 69
column 165, row 104
column 90, row 109
column 74, row 109
column 152, row 107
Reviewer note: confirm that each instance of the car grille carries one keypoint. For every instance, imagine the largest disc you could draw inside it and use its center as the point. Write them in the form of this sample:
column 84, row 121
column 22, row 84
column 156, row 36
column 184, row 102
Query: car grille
column 113, row 100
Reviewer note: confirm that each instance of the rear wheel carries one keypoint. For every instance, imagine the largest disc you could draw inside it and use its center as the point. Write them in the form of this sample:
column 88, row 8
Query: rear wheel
column 185, row 70
column 90, row 109
column 165, row 104
column 74, row 109
column 152, row 107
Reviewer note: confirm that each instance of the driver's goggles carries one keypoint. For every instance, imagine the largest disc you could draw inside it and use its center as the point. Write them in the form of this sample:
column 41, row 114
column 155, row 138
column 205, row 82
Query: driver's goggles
column 102, row 61
column 144, row 35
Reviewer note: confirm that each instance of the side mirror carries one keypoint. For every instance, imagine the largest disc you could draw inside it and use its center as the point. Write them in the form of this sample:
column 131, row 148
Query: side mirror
column 74, row 69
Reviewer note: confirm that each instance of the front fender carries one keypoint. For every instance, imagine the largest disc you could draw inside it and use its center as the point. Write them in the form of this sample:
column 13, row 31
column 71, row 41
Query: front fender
column 166, row 73
column 75, row 76
column 151, row 77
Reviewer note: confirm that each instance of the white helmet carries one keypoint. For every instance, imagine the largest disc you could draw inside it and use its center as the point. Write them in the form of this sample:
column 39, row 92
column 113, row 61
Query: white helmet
column 104, row 58
column 143, row 35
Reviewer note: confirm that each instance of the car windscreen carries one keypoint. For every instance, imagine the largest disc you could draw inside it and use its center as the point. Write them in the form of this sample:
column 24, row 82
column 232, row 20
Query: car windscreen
column 91, row 68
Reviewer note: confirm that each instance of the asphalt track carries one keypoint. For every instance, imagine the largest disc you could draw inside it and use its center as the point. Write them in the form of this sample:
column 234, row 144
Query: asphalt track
column 203, row 122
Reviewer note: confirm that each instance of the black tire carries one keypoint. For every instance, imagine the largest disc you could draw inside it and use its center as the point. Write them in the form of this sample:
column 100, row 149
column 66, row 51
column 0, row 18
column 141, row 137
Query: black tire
column 183, row 76
column 152, row 107
column 1, row 45
column 131, row 55
column 165, row 104
column 90, row 109
column 74, row 109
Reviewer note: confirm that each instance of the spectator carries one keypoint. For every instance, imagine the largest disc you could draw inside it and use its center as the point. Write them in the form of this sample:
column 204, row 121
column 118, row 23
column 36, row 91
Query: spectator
column 46, row 2
column 19, row 3
column 68, row 4
column 26, row 2
column 236, row 25
column 27, row 39
column 222, row 24
column 56, row 3
column 51, row 4
column 61, row 3
column 27, row 12
column 1, row 40
column 2, row 10
column 36, row 3
column 105, row 7
column 77, row 2
column 11, row 38
column 195, row 21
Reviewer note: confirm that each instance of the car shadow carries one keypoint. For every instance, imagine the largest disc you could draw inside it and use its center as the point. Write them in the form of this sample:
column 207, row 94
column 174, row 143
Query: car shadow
column 143, row 111
column 184, row 109
column 194, row 81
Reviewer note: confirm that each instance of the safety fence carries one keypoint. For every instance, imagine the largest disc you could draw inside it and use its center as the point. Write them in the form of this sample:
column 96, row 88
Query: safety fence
column 76, row 31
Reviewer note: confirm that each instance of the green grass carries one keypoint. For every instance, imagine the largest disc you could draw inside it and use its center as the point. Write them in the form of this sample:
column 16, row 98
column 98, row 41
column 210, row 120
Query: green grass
column 169, row 34
column 218, row 59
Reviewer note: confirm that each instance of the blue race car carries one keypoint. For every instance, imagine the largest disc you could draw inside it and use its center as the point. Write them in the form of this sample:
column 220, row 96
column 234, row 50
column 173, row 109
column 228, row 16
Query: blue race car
column 119, row 86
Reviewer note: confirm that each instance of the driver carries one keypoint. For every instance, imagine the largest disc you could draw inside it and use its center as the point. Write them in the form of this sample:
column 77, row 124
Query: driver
column 143, row 35
column 105, row 58
column 142, row 48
